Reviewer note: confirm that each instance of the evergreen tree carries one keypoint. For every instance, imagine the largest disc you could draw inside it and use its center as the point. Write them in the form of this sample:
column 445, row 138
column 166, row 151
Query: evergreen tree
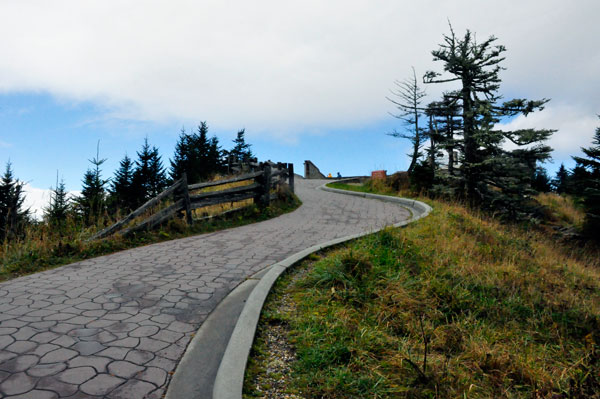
column 578, row 180
column 241, row 151
column 591, row 193
column 214, row 155
column 432, row 151
column 180, row 161
column 445, row 127
column 422, row 179
column 149, row 177
column 12, row 215
column 444, row 135
column 199, row 165
column 157, row 177
column 408, row 97
column 122, row 196
column 490, row 176
column 540, row 181
column 91, row 204
column 560, row 183
column 58, row 209
column 197, row 155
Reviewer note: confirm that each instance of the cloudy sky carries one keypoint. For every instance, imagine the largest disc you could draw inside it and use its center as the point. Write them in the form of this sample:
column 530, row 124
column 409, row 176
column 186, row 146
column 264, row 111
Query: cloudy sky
column 306, row 79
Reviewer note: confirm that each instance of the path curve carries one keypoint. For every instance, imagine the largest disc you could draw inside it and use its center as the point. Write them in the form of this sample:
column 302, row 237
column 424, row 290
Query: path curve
column 116, row 326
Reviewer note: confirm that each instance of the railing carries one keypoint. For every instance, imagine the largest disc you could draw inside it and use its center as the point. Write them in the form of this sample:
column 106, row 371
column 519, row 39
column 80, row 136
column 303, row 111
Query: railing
column 267, row 175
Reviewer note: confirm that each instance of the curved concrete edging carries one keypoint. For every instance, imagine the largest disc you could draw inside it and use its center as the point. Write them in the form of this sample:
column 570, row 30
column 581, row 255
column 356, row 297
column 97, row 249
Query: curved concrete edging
column 229, row 381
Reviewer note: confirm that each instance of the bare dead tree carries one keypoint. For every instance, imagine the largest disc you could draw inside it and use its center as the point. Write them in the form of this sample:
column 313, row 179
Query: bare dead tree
column 407, row 97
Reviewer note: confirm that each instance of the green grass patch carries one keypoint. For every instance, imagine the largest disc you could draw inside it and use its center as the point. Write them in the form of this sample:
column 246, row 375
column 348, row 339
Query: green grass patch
column 455, row 305
column 350, row 187
column 371, row 186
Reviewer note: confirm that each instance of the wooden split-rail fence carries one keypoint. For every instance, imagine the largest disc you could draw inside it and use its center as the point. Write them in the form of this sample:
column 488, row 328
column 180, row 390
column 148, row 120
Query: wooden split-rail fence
column 265, row 177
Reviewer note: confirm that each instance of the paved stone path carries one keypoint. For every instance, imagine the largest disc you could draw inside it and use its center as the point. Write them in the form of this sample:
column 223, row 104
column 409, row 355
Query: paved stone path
column 116, row 326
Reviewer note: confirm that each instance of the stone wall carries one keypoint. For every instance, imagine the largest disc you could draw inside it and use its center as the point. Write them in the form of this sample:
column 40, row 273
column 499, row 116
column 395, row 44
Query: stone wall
column 311, row 171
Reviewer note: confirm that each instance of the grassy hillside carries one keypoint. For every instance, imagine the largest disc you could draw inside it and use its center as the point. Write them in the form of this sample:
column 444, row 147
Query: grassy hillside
column 455, row 305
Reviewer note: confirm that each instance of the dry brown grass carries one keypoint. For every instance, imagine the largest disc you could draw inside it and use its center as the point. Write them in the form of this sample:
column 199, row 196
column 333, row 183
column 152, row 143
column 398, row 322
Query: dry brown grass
column 562, row 209
column 503, row 312
column 214, row 210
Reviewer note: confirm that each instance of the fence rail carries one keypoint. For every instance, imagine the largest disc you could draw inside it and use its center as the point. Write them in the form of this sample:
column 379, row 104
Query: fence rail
column 267, row 176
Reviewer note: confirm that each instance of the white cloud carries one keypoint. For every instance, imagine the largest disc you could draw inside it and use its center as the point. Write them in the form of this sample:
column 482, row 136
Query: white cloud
column 281, row 67
column 36, row 199
column 575, row 128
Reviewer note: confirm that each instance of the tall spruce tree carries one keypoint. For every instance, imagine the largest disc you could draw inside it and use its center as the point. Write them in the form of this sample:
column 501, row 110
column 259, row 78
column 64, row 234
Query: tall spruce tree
column 214, row 155
column 122, row 196
column 201, row 145
column 490, row 176
column 199, row 165
column 591, row 192
column 560, row 183
column 158, row 178
column 196, row 155
column 540, row 181
column 12, row 215
column 57, row 211
column 149, row 177
column 407, row 97
column 241, row 150
column 445, row 127
column 180, row 161
column 433, row 149
column 91, row 204
column 578, row 180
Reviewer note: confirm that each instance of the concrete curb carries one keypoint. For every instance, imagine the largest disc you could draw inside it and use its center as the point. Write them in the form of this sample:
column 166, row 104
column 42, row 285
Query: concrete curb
column 230, row 375
column 421, row 208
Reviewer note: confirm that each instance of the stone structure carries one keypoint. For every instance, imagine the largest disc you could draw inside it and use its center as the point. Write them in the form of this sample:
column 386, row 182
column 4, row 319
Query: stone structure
column 311, row 171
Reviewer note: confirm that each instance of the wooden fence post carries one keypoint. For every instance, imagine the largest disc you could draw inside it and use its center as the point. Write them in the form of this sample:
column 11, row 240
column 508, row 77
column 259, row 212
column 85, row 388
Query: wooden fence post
column 267, row 186
column 262, row 198
column 186, row 199
column 290, row 167
column 260, row 180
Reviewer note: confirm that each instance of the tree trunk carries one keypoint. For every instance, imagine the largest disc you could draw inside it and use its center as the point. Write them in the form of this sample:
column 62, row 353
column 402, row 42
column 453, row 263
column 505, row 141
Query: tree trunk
column 470, row 144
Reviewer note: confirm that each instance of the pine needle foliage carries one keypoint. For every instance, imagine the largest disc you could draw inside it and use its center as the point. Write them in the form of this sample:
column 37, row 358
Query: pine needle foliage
column 149, row 177
column 241, row 151
column 123, row 196
column 91, row 204
column 12, row 215
column 591, row 192
column 560, row 183
column 489, row 176
column 59, row 208
column 199, row 156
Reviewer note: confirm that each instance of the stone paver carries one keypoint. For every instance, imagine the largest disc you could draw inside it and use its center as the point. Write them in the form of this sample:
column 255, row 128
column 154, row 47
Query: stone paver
column 77, row 375
column 102, row 384
column 116, row 326
column 124, row 369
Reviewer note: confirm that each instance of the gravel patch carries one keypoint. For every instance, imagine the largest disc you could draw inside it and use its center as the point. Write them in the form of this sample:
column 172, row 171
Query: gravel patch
column 273, row 379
